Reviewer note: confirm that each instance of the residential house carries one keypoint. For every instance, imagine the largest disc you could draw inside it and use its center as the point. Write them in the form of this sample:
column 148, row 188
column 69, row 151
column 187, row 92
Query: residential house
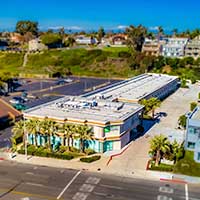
column 36, row 45
column 83, row 40
column 193, row 48
column 152, row 47
column 174, row 47
column 192, row 140
column 119, row 39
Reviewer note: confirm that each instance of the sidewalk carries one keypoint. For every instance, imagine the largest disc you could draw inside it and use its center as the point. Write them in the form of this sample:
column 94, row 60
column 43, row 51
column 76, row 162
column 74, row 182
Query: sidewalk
column 100, row 167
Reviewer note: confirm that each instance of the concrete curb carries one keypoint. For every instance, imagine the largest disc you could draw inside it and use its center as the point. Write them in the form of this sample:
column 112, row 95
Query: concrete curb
column 118, row 154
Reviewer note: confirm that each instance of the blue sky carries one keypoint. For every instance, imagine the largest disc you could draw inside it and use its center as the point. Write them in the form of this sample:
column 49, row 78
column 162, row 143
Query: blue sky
column 90, row 14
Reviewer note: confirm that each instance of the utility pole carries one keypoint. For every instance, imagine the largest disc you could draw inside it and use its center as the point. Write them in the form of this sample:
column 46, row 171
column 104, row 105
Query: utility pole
column 26, row 138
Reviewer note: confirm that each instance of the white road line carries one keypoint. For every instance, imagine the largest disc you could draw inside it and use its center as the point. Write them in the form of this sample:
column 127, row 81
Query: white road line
column 111, row 186
column 186, row 192
column 30, row 173
column 67, row 186
column 34, row 184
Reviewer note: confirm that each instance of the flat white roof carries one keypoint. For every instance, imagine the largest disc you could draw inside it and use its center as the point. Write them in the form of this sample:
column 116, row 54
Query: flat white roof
column 136, row 88
column 84, row 109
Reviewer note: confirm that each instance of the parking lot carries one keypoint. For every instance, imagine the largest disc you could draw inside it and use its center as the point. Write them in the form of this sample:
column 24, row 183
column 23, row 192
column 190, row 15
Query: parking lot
column 45, row 90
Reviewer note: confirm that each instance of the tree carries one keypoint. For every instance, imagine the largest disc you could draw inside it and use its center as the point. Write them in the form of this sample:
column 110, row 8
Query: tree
column 84, row 133
column 20, row 129
column 51, row 39
column 193, row 105
column 160, row 30
column 101, row 33
column 49, row 128
column 177, row 151
column 68, row 133
column 136, row 37
column 151, row 104
column 159, row 145
column 23, row 27
column 182, row 121
column 175, row 31
column 33, row 127
column 199, row 95
column 70, row 42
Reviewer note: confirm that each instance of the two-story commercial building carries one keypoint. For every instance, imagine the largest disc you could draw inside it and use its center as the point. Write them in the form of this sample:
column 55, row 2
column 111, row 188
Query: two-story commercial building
column 112, row 122
column 113, row 113
column 192, row 140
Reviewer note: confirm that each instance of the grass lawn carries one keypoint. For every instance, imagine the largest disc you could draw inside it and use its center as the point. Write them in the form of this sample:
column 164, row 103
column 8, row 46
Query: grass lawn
column 187, row 165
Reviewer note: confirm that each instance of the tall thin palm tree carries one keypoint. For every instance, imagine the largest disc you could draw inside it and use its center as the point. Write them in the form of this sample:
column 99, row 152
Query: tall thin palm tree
column 68, row 131
column 33, row 127
column 158, row 146
column 84, row 133
column 49, row 128
column 20, row 128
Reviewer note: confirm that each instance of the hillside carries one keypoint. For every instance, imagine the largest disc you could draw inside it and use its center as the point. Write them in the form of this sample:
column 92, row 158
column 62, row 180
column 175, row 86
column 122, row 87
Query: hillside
column 109, row 62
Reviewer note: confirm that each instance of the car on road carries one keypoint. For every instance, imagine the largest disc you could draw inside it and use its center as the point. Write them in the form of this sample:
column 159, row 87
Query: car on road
column 17, row 100
column 64, row 81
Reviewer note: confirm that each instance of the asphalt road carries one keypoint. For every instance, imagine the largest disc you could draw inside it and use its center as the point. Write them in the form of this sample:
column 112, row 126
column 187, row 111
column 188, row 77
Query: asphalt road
column 29, row 182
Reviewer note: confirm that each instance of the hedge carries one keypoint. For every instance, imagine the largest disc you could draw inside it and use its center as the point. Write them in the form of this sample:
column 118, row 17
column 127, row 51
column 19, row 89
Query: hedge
column 90, row 159
column 45, row 153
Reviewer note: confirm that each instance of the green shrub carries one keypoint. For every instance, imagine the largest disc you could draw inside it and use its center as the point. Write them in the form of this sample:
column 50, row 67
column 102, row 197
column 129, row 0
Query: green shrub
column 124, row 54
column 17, row 139
column 162, row 167
column 89, row 151
column 90, row 159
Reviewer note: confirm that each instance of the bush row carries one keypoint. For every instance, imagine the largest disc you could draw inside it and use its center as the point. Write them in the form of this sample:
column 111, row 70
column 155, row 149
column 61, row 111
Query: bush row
column 90, row 159
column 46, row 153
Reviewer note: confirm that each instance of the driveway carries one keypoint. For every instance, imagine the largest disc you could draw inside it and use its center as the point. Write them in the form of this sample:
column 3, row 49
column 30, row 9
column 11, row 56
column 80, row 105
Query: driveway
column 135, row 158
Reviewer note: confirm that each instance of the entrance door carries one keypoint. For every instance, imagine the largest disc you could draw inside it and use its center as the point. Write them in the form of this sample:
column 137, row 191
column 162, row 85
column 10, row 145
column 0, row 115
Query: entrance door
column 108, row 146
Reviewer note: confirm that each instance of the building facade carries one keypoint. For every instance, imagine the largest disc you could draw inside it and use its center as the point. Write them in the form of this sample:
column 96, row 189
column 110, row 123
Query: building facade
column 192, row 140
column 112, row 123
column 36, row 45
column 193, row 48
column 174, row 47
column 152, row 47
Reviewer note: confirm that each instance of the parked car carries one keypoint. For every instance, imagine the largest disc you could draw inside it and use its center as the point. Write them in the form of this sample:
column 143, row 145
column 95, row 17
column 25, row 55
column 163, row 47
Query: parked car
column 20, row 106
column 17, row 100
column 64, row 81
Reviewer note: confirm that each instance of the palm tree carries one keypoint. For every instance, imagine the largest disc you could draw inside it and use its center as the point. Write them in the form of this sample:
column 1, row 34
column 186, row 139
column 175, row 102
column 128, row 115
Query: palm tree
column 177, row 150
column 160, row 30
column 175, row 31
column 33, row 127
column 84, row 133
column 49, row 128
column 20, row 128
column 155, row 103
column 158, row 146
column 68, row 133
column 151, row 104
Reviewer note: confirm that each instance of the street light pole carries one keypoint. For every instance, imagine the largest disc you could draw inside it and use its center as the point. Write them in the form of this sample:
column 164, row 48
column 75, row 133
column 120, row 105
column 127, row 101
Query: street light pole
column 25, row 135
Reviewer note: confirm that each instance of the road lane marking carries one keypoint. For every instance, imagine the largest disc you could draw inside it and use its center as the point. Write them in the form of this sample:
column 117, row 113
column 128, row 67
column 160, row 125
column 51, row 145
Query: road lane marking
column 186, row 192
column 35, row 184
column 166, row 190
column 86, row 188
column 93, row 180
column 30, row 173
column 161, row 197
column 111, row 186
column 67, row 186
column 80, row 196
